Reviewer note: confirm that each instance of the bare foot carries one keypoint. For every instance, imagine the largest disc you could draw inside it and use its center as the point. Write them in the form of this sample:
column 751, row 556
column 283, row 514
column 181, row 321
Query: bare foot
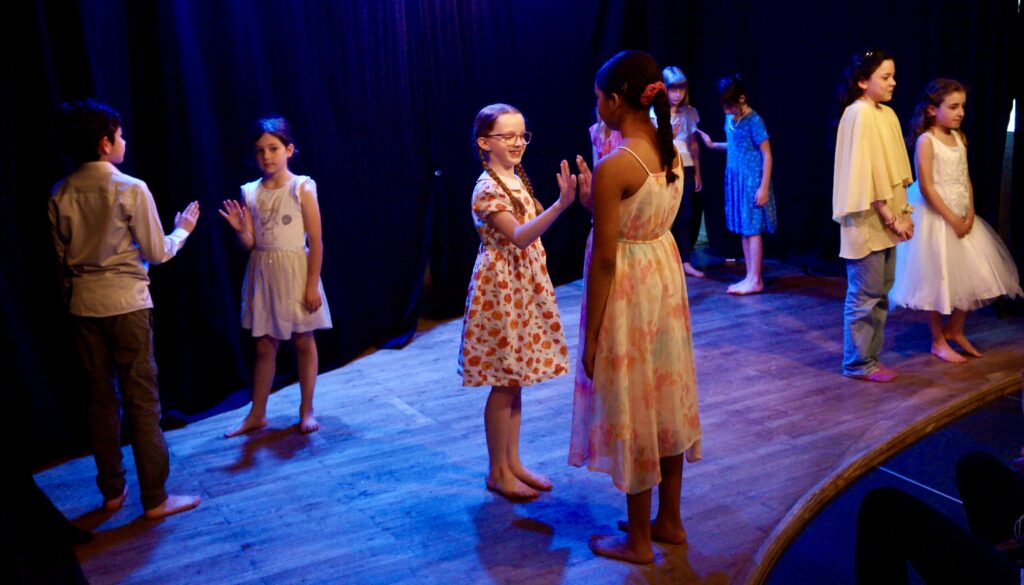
column 748, row 287
column 736, row 285
column 510, row 487
column 947, row 354
column 308, row 424
column 661, row 533
column 534, row 480
column 620, row 548
column 114, row 504
column 172, row 505
column 250, row 423
column 965, row 345
column 689, row 269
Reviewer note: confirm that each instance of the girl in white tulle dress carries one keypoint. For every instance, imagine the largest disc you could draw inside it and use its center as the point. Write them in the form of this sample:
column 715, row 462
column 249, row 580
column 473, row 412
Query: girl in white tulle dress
column 955, row 262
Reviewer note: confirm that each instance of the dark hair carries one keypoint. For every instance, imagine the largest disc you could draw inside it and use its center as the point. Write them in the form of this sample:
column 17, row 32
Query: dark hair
column 482, row 125
column 84, row 123
column 861, row 67
column 933, row 95
column 277, row 127
column 730, row 88
column 628, row 74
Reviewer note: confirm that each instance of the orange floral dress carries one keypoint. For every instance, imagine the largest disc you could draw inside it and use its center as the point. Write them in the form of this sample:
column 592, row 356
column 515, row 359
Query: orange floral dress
column 642, row 403
column 511, row 331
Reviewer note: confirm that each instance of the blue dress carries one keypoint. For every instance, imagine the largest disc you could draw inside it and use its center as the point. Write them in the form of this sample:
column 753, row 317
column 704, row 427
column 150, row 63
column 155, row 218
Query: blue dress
column 743, row 177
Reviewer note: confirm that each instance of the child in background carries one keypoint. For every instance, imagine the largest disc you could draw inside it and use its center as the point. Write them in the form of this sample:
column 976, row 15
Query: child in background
column 869, row 201
column 511, row 333
column 685, row 118
column 749, row 199
column 282, row 295
column 955, row 263
column 603, row 140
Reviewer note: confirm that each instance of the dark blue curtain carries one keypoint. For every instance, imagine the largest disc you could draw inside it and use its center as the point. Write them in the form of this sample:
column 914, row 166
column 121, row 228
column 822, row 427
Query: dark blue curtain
column 382, row 96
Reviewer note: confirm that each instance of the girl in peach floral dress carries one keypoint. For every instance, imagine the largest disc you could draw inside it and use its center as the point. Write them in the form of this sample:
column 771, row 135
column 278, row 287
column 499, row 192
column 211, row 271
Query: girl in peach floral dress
column 635, row 403
column 511, row 333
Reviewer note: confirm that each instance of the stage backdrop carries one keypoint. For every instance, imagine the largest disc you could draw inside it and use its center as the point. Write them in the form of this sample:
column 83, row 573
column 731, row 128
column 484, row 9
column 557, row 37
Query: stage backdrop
column 382, row 97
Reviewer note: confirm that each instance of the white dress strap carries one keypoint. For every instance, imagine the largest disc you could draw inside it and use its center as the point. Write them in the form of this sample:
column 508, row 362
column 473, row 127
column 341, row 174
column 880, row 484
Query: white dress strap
column 636, row 157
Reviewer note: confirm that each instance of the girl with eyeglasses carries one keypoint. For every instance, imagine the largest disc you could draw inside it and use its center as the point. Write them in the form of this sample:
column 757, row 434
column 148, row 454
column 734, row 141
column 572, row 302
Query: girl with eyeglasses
column 512, row 334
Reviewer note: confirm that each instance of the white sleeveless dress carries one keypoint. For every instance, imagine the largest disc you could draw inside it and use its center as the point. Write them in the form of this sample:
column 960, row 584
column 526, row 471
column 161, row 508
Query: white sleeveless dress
column 275, row 278
column 936, row 270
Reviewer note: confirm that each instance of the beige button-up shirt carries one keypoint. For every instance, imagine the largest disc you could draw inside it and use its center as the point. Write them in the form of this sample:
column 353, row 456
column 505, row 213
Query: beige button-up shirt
column 106, row 231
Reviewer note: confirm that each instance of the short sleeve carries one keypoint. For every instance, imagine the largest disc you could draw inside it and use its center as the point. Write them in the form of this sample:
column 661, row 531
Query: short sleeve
column 758, row 131
column 306, row 184
column 489, row 198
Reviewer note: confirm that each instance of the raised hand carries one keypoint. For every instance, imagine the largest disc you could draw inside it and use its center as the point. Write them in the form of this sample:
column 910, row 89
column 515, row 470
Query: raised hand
column 187, row 218
column 566, row 185
column 585, row 179
column 236, row 215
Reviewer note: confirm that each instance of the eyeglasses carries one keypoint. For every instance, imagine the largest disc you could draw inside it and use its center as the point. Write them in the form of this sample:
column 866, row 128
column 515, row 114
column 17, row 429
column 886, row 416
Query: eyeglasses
column 510, row 138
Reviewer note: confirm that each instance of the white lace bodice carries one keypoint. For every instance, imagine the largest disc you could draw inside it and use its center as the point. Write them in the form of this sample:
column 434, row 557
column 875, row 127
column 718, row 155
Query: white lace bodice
column 949, row 172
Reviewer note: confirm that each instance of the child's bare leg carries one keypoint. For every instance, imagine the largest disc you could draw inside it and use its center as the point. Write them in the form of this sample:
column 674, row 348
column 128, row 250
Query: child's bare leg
column 262, row 379
column 753, row 251
column 534, row 480
column 668, row 524
column 497, row 420
column 306, row 355
column 941, row 348
column 636, row 546
column 954, row 331
column 746, row 260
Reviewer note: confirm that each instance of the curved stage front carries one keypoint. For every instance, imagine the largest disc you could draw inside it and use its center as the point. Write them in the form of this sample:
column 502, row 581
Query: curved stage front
column 391, row 489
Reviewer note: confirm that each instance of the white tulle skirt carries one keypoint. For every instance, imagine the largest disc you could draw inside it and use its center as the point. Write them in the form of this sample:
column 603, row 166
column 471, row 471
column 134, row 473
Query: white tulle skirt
column 937, row 271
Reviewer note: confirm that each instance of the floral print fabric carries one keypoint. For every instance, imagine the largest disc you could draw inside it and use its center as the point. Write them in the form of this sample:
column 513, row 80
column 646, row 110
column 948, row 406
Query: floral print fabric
column 511, row 330
column 641, row 404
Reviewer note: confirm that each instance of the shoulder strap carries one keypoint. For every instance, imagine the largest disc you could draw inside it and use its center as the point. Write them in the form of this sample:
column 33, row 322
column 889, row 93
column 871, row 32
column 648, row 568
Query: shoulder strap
column 636, row 157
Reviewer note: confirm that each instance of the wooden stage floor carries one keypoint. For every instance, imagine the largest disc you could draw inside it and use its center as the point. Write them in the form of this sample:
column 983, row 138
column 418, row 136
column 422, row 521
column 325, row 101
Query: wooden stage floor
column 391, row 489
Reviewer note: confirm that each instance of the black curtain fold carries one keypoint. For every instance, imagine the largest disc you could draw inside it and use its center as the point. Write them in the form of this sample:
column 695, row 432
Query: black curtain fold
column 382, row 96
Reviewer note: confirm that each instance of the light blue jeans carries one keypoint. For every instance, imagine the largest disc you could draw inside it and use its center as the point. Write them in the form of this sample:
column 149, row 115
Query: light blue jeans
column 868, row 281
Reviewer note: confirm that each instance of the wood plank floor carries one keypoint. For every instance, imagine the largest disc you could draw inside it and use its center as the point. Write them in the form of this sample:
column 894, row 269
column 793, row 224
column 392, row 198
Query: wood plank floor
column 391, row 489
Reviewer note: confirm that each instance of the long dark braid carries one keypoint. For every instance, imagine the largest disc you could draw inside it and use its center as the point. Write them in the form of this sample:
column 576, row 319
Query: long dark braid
column 628, row 74
column 529, row 187
column 666, row 147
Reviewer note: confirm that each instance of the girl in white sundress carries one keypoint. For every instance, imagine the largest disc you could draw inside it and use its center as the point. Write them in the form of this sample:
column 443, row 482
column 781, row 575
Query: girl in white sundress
column 955, row 263
column 282, row 295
